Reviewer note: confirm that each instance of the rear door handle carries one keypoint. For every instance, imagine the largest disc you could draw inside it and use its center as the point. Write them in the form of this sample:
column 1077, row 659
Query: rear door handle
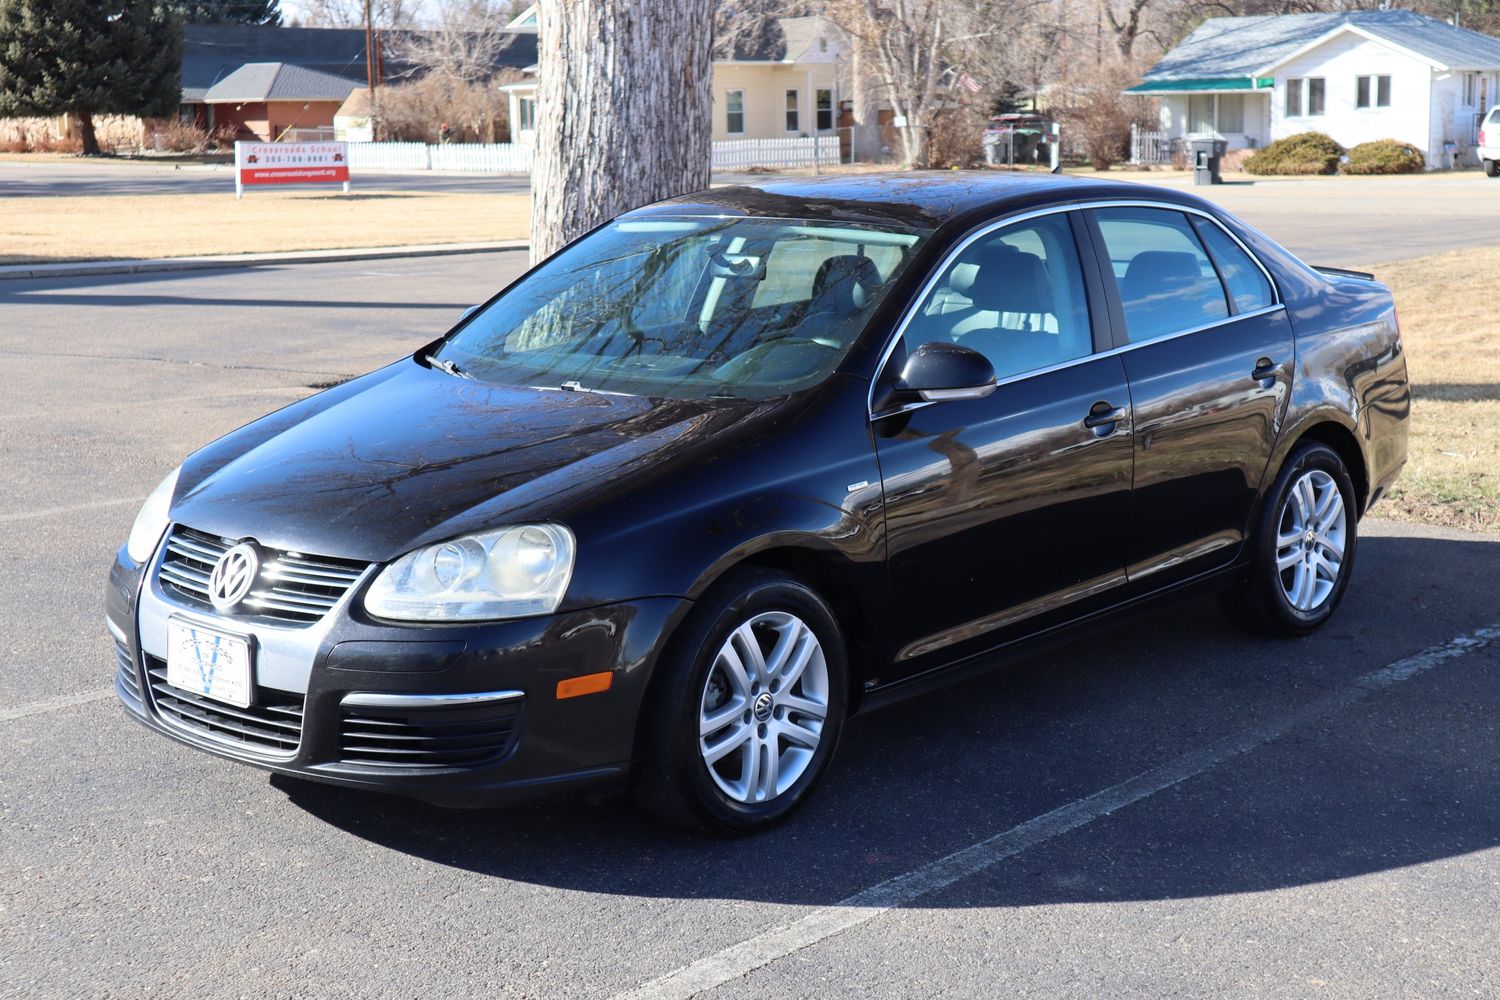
column 1103, row 414
column 1265, row 368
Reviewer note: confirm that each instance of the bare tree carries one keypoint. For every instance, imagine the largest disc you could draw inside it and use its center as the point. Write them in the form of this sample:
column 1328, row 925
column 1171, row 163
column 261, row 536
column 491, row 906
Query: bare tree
column 461, row 41
column 909, row 53
column 351, row 13
column 623, row 110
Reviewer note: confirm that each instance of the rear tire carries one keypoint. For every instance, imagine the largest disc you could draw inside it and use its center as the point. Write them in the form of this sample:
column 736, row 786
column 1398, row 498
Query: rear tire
column 1302, row 549
column 745, row 709
column 1492, row 168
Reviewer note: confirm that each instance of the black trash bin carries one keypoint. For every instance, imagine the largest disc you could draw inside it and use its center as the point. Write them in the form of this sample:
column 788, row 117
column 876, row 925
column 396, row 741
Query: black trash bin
column 1207, row 154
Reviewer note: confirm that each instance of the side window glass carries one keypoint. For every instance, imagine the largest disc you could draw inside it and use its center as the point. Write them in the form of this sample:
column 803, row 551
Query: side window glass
column 1015, row 295
column 1247, row 284
column 1166, row 282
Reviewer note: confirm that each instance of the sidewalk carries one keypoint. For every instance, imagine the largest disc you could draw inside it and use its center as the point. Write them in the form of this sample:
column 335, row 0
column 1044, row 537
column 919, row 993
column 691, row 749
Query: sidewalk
column 227, row 261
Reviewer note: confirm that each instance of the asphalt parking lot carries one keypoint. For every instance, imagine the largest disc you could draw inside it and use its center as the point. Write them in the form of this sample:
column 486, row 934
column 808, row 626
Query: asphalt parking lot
column 1166, row 807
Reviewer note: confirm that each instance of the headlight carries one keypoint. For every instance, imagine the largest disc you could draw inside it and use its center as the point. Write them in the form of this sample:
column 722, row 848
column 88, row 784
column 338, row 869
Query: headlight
column 506, row 573
column 152, row 520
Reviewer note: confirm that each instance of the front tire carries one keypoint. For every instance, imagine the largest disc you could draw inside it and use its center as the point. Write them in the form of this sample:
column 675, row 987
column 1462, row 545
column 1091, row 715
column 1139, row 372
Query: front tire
column 746, row 709
column 1302, row 549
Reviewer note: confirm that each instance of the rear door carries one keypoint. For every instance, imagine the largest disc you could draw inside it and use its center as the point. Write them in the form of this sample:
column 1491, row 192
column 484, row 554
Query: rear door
column 1208, row 353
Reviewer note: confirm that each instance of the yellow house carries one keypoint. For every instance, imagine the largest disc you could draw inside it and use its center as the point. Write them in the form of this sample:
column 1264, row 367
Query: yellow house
column 784, row 84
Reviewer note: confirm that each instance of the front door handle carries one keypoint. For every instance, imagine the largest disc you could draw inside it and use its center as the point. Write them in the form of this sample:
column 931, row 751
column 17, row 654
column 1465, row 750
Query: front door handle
column 1265, row 368
column 1103, row 414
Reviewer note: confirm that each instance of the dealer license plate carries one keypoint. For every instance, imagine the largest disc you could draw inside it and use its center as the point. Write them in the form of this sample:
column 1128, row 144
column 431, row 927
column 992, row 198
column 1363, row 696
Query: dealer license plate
column 208, row 663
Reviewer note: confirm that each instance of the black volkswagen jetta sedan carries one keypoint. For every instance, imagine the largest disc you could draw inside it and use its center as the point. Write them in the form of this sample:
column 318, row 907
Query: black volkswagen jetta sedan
column 670, row 507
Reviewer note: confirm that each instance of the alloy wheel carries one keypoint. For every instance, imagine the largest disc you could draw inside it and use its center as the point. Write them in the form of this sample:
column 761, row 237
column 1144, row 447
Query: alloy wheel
column 763, row 707
column 1310, row 538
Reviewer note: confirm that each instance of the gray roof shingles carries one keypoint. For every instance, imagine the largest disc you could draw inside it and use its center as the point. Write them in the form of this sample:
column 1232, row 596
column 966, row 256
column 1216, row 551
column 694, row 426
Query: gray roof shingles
column 1241, row 46
column 279, row 82
column 213, row 51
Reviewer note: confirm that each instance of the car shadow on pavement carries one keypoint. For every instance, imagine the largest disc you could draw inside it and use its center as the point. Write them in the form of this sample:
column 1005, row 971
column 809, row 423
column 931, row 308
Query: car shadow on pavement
column 1399, row 778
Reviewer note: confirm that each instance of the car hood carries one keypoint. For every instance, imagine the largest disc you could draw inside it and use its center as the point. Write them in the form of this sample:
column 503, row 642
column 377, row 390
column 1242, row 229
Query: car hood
column 409, row 455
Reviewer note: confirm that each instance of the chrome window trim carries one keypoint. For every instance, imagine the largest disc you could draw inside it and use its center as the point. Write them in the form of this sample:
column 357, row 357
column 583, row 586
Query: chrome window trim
column 381, row 699
column 1081, row 206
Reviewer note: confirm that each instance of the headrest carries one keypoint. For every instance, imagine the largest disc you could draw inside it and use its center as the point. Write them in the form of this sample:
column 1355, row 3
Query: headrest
column 1159, row 272
column 1012, row 281
column 961, row 278
column 844, row 284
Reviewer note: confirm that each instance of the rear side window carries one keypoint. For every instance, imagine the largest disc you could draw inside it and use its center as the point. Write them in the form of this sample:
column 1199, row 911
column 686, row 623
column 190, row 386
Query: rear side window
column 1247, row 284
column 1166, row 281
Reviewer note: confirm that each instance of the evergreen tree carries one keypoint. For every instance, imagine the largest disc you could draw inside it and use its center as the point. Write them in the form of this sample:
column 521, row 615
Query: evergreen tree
column 89, row 57
column 230, row 11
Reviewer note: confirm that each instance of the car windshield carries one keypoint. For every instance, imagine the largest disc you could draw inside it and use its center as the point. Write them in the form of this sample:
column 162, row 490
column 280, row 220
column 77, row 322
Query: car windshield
column 687, row 308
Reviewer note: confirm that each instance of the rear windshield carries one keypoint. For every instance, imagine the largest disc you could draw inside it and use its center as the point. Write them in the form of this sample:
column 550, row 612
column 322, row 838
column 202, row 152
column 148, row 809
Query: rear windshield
column 688, row 308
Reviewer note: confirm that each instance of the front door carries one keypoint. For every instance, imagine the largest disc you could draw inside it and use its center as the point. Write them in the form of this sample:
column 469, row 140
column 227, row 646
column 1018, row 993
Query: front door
column 1005, row 512
column 1209, row 355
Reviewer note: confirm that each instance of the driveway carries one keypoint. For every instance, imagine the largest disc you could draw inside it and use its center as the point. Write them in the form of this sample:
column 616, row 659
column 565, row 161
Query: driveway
column 1165, row 807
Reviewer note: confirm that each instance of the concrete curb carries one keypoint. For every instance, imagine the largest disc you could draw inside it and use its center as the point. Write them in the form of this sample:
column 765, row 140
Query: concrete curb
column 229, row 261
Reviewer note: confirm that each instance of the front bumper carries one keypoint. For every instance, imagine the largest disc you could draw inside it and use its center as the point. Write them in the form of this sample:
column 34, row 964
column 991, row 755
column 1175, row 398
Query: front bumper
column 460, row 715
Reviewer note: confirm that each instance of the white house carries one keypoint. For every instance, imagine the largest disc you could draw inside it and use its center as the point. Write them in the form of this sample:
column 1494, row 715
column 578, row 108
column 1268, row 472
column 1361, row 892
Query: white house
column 1356, row 76
column 783, row 83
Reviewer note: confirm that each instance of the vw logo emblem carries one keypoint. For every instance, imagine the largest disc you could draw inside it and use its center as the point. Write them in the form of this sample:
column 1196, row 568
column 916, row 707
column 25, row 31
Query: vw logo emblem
column 762, row 706
column 233, row 576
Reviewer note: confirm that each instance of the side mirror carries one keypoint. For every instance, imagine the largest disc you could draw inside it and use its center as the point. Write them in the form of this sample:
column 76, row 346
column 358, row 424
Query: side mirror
column 938, row 372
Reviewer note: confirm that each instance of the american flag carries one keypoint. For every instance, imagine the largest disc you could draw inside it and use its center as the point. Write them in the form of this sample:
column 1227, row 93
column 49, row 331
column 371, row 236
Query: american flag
column 968, row 83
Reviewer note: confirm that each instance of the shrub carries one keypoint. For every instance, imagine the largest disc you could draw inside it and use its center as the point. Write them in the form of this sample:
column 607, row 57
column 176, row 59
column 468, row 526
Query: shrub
column 1096, row 112
column 1385, row 156
column 178, row 136
column 1233, row 162
column 1303, row 153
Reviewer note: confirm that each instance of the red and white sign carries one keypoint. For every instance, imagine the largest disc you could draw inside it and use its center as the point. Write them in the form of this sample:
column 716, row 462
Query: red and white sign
column 290, row 163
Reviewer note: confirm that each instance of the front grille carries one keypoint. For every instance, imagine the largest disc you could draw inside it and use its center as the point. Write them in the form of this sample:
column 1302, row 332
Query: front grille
column 129, row 680
column 425, row 738
column 272, row 725
column 290, row 587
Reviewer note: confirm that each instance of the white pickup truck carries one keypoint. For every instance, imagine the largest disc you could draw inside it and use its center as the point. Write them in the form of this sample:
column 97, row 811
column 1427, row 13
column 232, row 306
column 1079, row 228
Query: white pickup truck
column 1489, row 143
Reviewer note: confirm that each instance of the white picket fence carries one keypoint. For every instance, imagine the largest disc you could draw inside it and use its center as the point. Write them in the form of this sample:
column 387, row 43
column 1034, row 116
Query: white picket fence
column 489, row 158
column 737, row 154
column 1148, row 147
column 515, row 158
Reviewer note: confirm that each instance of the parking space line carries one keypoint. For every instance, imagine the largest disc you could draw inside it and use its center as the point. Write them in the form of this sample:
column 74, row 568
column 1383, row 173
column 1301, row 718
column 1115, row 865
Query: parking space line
column 741, row 959
column 55, row 704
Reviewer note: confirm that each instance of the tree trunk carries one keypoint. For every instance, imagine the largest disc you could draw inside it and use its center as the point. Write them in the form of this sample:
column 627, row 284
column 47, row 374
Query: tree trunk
column 624, row 110
column 87, row 134
column 864, row 140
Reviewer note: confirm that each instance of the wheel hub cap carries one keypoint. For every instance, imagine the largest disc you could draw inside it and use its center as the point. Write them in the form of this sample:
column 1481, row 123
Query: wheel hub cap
column 1311, row 534
column 763, row 706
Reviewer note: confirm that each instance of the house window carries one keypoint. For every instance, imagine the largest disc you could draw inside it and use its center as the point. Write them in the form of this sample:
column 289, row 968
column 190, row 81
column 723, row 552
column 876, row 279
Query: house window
column 1315, row 92
column 734, row 112
column 1200, row 113
column 1294, row 98
column 1231, row 115
column 1471, row 89
column 1372, row 92
column 526, row 113
column 825, row 110
column 792, row 115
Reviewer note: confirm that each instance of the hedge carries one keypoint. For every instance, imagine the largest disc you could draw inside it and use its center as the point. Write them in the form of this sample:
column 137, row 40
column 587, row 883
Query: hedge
column 1385, row 156
column 1304, row 153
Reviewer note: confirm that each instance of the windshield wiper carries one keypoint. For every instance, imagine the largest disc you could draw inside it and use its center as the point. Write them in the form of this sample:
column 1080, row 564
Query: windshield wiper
column 445, row 365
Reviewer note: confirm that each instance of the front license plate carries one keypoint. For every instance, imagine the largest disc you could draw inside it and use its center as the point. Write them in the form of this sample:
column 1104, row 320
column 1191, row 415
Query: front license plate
column 208, row 663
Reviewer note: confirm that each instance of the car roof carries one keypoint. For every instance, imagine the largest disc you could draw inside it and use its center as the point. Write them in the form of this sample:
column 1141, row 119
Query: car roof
column 915, row 199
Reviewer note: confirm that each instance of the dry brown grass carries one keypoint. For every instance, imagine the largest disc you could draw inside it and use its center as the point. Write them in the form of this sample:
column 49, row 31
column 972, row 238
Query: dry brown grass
column 1452, row 335
column 50, row 229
